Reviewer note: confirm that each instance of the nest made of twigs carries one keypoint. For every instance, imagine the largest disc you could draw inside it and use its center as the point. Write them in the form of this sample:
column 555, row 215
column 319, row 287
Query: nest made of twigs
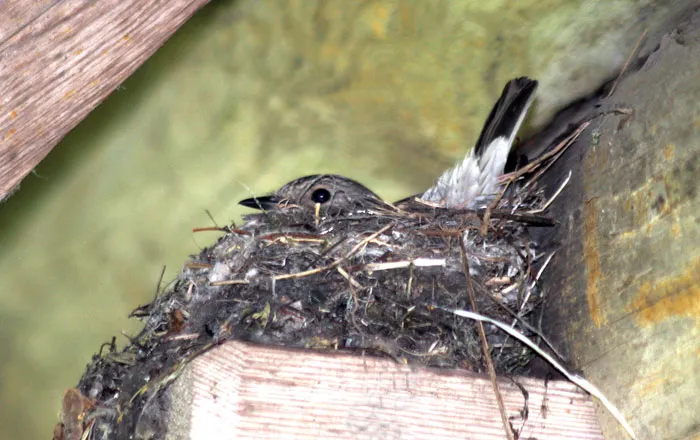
column 381, row 282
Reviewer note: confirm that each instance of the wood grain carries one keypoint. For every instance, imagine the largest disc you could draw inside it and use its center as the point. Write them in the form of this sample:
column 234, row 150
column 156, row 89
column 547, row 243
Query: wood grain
column 60, row 59
column 241, row 390
column 622, row 290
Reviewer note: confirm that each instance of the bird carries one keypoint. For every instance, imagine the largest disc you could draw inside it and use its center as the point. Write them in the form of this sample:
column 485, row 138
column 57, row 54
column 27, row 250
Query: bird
column 330, row 192
column 471, row 182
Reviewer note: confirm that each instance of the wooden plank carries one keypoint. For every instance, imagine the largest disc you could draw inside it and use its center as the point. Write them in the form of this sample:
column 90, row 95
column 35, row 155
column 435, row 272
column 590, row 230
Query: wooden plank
column 15, row 14
column 246, row 391
column 59, row 59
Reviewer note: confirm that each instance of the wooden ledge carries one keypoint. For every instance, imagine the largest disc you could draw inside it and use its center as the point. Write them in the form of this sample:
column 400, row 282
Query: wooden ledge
column 246, row 391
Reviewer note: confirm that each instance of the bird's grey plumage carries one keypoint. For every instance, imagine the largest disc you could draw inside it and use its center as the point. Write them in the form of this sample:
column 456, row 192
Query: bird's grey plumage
column 333, row 193
column 475, row 178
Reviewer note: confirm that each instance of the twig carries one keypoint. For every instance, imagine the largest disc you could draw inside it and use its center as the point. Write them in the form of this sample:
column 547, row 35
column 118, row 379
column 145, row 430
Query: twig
column 561, row 146
column 526, row 325
column 627, row 63
column 554, row 196
column 306, row 273
column 367, row 240
column 337, row 261
column 212, row 228
column 526, row 407
column 575, row 378
column 544, row 266
column 487, row 214
column 229, row 282
column 418, row 262
column 353, row 282
column 317, row 214
column 485, row 344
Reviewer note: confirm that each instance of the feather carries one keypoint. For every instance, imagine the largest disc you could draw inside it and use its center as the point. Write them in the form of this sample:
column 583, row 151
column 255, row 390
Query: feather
column 475, row 178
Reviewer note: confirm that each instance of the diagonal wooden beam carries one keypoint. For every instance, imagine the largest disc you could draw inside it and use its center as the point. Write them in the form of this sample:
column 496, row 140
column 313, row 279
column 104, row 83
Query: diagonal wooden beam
column 60, row 59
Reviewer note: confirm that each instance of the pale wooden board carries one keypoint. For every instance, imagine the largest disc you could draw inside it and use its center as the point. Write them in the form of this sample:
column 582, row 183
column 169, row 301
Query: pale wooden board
column 59, row 59
column 246, row 391
column 15, row 14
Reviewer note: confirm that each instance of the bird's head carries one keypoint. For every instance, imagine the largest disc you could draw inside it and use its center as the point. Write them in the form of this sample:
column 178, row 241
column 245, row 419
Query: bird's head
column 331, row 192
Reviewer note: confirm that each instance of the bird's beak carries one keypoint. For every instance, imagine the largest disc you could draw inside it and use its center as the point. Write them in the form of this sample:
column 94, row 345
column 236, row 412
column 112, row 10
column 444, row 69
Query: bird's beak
column 263, row 203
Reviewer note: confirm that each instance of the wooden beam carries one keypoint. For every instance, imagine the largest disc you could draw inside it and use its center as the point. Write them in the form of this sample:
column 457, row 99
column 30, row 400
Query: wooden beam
column 245, row 391
column 623, row 290
column 60, row 59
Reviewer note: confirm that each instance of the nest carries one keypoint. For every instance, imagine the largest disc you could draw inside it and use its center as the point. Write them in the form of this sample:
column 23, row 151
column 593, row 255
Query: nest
column 382, row 282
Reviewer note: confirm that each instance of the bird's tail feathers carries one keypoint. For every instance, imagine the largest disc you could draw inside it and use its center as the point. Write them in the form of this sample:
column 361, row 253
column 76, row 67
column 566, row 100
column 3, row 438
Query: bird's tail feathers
column 477, row 175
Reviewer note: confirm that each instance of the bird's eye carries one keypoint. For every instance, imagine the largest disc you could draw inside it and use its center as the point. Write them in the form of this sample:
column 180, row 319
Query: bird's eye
column 321, row 195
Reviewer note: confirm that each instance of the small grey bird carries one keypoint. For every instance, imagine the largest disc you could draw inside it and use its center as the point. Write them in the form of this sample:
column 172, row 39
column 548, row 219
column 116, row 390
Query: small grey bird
column 469, row 183
column 334, row 193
